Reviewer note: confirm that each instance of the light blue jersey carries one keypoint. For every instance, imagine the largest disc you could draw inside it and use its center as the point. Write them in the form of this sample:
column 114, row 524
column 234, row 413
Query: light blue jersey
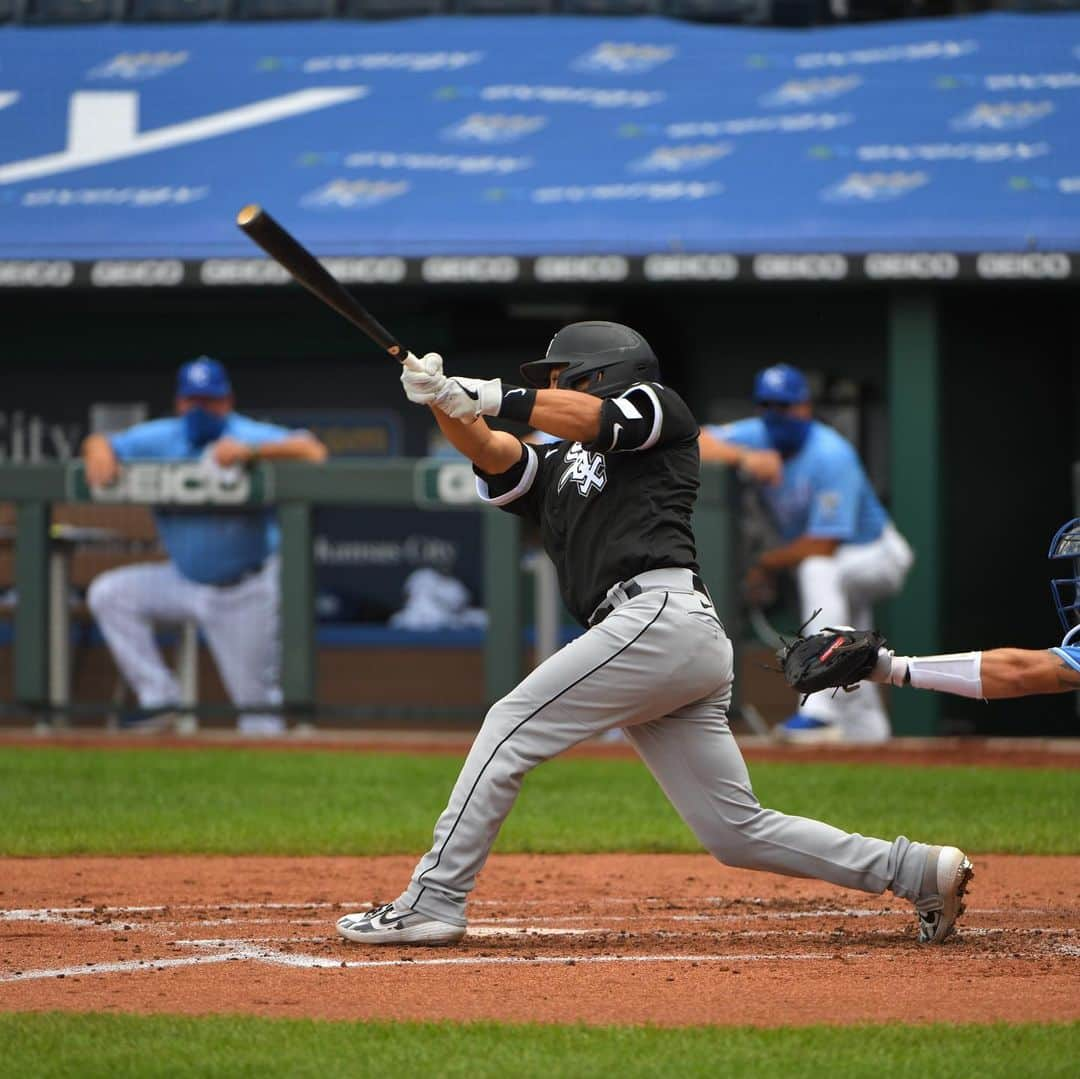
column 209, row 548
column 824, row 492
column 1068, row 650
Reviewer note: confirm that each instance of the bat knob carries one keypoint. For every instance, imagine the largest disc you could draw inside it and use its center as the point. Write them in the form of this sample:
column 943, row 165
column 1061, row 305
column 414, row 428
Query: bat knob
column 248, row 214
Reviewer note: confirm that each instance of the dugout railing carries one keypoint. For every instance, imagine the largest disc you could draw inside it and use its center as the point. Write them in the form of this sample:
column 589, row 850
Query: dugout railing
column 41, row 615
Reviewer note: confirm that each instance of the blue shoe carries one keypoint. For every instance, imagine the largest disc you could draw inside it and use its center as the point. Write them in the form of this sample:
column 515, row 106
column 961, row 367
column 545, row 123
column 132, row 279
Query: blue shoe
column 150, row 721
column 806, row 730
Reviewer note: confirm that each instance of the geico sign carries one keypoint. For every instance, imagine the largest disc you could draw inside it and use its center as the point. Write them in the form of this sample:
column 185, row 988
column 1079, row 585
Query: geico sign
column 1031, row 264
column 915, row 264
column 185, row 484
column 823, row 267
column 455, row 483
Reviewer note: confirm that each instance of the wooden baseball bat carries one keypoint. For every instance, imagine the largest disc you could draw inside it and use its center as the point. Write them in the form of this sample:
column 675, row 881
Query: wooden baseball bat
column 287, row 251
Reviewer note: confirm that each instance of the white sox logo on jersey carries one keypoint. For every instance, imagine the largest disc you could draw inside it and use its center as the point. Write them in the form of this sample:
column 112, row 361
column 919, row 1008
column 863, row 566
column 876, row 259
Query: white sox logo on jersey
column 585, row 469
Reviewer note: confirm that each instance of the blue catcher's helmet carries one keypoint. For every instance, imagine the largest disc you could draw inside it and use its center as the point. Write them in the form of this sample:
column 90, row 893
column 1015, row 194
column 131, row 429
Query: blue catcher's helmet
column 1066, row 590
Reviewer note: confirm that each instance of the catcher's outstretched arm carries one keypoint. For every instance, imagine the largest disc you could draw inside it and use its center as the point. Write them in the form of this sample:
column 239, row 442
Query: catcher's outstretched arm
column 994, row 675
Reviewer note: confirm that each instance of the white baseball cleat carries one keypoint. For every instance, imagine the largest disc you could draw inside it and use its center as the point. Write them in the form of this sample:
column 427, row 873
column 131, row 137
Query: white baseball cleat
column 945, row 880
column 388, row 925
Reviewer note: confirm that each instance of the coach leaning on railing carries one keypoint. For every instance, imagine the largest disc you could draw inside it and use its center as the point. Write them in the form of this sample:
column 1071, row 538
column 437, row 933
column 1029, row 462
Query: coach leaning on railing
column 222, row 571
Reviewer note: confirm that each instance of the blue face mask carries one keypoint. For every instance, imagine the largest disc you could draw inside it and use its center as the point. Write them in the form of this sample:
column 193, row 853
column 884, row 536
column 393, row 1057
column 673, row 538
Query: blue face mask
column 786, row 433
column 202, row 427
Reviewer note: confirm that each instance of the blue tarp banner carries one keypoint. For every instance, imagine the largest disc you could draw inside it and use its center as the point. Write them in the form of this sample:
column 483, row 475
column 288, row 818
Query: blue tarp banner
column 534, row 136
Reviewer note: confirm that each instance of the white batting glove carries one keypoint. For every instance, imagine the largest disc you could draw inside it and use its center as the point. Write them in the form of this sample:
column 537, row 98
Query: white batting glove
column 422, row 378
column 467, row 398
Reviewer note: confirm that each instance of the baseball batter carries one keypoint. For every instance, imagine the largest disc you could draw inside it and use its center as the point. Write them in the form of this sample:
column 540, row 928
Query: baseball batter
column 836, row 537
column 222, row 570
column 613, row 501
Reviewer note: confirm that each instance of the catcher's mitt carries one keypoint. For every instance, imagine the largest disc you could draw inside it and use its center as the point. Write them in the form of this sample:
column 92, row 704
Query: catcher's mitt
column 832, row 659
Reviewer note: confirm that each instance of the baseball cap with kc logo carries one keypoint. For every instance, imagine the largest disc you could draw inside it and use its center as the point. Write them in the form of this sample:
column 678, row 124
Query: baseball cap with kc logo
column 202, row 377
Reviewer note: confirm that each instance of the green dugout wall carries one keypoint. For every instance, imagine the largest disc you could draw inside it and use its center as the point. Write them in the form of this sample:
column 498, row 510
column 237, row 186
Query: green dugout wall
column 295, row 490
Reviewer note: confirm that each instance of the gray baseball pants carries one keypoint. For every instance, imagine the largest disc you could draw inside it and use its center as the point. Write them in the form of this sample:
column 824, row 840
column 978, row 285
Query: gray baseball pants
column 660, row 666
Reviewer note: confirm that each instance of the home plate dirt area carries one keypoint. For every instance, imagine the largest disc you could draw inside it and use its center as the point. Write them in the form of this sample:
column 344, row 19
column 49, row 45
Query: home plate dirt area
column 663, row 939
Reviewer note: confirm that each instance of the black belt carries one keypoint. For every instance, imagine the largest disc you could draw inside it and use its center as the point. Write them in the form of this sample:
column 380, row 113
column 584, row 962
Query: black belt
column 232, row 582
column 632, row 589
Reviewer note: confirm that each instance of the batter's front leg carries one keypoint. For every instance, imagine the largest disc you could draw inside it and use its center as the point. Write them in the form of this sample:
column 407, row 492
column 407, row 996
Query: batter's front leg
column 697, row 763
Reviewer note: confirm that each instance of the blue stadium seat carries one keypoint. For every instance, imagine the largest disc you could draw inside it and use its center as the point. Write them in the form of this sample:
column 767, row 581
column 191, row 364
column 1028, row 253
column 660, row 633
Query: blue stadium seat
column 281, row 9
column 503, row 7
column 39, row 11
column 612, row 7
column 392, row 9
column 174, row 10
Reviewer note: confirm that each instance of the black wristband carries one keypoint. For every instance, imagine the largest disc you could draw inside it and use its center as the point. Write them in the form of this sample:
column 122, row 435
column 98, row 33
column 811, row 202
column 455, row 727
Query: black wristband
column 517, row 403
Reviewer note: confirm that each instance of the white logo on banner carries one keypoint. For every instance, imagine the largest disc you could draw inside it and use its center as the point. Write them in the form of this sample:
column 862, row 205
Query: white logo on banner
column 823, row 267
column 690, row 267
column 144, row 273
column 920, row 265
column 673, row 191
column 1054, row 265
column 1007, row 116
column 469, row 269
column 1050, row 80
column 874, row 186
column 462, row 164
column 755, row 125
column 493, row 127
column 1069, row 185
column 137, row 66
column 575, row 95
column 113, row 196
column 392, row 61
column 581, row 268
column 103, row 126
column 681, row 158
column 354, row 194
column 981, row 153
column 921, row 50
column 8, row 97
column 37, row 273
column 808, row 91
column 624, row 58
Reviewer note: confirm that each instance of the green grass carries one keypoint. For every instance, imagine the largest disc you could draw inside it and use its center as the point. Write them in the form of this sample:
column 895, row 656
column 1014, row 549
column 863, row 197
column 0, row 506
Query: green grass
column 119, row 1046
column 69, row 801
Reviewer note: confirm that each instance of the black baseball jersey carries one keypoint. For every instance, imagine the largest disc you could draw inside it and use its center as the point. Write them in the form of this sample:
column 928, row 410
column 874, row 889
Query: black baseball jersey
column 616, row 507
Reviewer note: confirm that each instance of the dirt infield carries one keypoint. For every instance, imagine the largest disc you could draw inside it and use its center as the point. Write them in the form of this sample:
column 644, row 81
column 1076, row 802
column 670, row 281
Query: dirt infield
column 664, row 939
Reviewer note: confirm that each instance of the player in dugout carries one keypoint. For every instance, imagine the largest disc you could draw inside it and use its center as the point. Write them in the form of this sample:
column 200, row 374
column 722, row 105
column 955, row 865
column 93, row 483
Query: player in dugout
column 222, row 571
column 613, row 499
column 836, row 537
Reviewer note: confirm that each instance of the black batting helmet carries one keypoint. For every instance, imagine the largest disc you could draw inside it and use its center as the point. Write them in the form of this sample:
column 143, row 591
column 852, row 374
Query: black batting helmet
column 611, row 356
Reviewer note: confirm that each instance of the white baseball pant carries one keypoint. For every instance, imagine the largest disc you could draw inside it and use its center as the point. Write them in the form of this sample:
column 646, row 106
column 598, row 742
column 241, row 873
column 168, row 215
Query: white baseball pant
column 846, row 585
column 661, row 667
column 240, row 624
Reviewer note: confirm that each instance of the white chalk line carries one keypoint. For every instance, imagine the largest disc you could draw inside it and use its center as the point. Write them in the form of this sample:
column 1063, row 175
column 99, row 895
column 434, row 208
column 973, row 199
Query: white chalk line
column 242, row 950
column 257, row 949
